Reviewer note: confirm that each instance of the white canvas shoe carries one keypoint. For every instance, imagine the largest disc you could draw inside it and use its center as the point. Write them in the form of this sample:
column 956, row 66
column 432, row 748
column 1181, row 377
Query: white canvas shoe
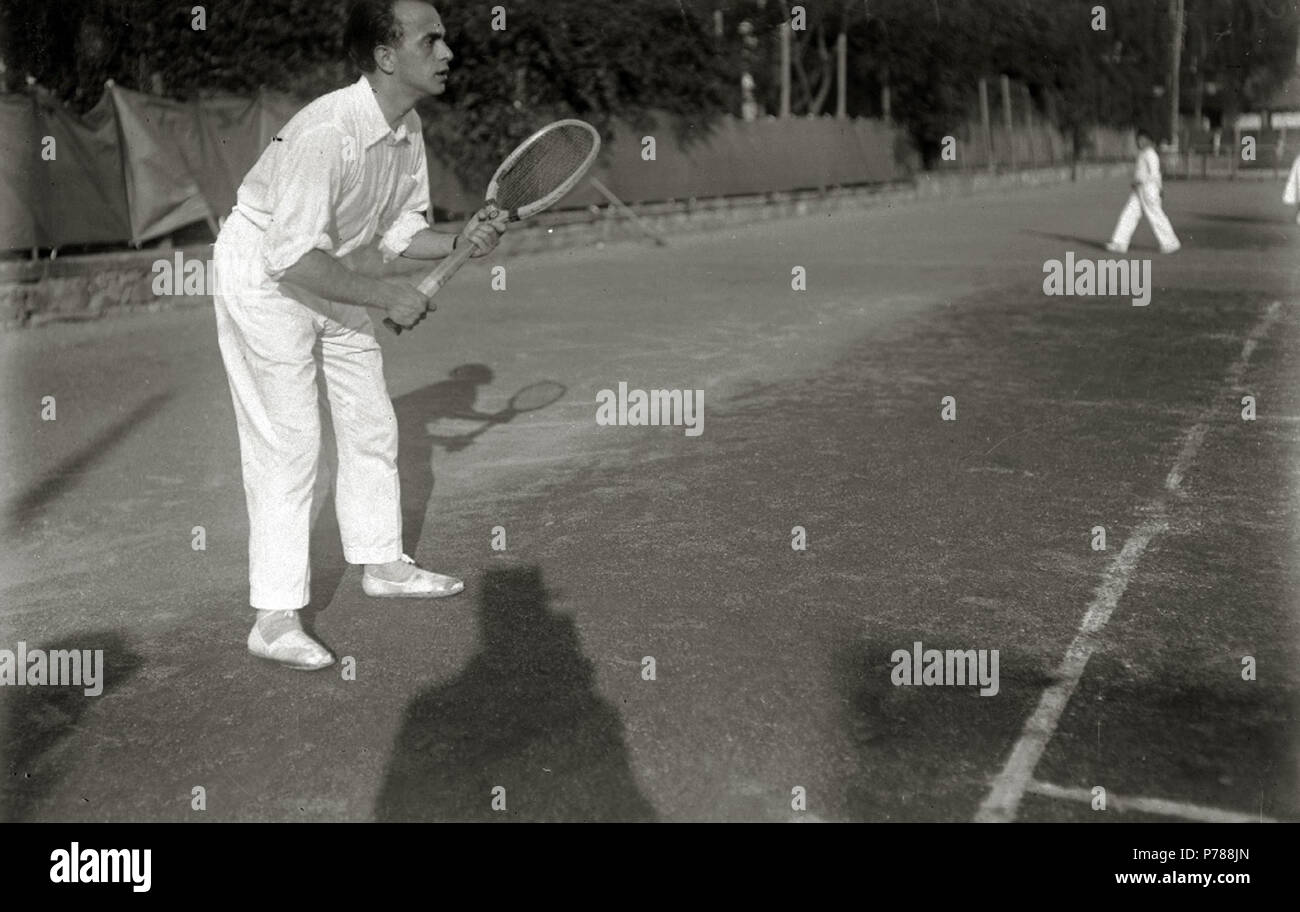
column 294, row 649
column 1115, row 248
column 420, row 584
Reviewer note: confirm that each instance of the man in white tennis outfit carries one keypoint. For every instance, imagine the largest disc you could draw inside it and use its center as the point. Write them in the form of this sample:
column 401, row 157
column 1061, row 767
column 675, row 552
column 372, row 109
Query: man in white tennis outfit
column 1145, row 199
column 1291, row 192
column 347, row 169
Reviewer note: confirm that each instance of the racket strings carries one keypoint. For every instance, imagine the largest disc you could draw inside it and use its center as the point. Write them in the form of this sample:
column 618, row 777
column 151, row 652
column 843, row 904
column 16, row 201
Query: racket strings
column 544, row 167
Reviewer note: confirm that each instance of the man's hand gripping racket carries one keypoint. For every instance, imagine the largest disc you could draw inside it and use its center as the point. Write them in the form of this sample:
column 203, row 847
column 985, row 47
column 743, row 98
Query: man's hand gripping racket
column 536, row 175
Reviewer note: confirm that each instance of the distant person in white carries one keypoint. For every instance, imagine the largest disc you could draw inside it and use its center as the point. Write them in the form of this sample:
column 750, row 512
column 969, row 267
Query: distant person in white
column 1291, row 194
column 1145, row 200
column 296, row 272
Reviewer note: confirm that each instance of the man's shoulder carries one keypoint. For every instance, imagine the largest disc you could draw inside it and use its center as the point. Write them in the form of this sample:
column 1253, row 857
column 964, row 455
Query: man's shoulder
column 329, row 111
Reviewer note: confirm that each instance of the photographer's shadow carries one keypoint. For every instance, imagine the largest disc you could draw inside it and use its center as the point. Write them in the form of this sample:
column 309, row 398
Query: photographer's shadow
column 523, row 715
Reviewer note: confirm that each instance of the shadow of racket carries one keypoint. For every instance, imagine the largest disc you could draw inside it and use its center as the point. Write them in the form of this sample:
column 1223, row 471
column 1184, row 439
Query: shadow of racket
column 530, row 398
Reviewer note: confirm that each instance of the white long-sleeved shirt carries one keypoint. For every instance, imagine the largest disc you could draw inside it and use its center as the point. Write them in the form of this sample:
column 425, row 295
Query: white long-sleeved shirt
column 1147, row 172
column 336, row 176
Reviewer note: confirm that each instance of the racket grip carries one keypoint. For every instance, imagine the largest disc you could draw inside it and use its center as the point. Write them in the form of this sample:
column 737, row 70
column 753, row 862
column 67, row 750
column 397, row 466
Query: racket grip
column 439, row 277
column 434, row 281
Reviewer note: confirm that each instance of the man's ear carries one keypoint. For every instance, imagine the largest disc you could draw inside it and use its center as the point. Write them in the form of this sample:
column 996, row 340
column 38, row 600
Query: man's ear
column 386, row 59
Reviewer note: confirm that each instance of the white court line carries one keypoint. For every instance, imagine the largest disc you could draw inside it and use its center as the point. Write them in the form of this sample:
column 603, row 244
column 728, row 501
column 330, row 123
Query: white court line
column 1003, row 800
column 1160, row 807
column 1192, row 442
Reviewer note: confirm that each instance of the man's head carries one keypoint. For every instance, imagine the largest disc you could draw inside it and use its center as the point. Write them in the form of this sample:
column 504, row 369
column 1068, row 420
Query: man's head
column 402, row 41
column 1144, row 140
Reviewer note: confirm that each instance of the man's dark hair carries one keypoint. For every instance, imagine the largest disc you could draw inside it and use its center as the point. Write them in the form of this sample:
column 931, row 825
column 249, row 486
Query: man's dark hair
column 370, row 24
column 1145, row 133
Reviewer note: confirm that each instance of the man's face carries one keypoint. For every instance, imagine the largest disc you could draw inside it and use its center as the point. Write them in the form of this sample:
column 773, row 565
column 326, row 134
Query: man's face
column 422, row 55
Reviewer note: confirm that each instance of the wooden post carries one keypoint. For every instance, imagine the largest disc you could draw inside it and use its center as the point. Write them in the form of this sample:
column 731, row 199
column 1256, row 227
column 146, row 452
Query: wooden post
column 1279, row 149
column 785, row 69
column 1175, row 60
column 842, row 75
column 1007, row 126
column 1029, row 128
column 985, row 125
column 626, row 210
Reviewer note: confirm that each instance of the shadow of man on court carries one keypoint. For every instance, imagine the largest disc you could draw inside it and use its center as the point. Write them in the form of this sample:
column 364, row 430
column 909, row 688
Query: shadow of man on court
column 523, row 715
column 37, row 718
column 453, row 398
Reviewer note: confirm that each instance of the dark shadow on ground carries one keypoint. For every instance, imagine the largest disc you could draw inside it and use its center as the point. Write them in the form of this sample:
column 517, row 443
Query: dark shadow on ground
column 524, row 715
column 1090, row 243
column 37, row 718
column 1226, row 235
column 59, row 480
column 453, row 398
column 1283, row 218
column 1177, row 734
column 927, row 728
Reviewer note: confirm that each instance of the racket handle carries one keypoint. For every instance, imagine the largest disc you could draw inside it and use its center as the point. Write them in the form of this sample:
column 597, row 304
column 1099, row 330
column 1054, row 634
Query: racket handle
column 433, row 282
column 439, row 277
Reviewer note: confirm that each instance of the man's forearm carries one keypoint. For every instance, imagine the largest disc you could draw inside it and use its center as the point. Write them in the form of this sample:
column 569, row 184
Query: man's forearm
column 427, row 245
column 324, row 275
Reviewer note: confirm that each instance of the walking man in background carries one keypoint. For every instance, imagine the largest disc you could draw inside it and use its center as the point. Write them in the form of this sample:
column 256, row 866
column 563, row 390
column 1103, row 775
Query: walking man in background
column 1291, row 193
column 347, row 169
column 1145, row 200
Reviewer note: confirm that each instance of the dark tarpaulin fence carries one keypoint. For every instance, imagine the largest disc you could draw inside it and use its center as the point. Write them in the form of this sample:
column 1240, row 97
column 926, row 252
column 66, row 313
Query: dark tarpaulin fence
column 734, row 158
column 76, row 197
column 137, row 167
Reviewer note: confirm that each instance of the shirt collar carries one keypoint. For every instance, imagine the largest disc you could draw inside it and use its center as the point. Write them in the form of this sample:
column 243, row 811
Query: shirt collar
column 374, row 125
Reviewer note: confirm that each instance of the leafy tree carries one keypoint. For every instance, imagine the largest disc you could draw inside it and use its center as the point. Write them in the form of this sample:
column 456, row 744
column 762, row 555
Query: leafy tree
column 595, row 59
column 627, row 59
column 1245, row 49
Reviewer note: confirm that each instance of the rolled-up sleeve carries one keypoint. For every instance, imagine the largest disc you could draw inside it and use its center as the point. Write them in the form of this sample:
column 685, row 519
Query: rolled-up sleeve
column 409, row 214
column 307, row 182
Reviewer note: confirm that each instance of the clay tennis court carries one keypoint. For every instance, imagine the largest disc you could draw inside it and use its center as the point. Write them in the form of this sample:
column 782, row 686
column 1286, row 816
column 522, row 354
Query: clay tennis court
column 772, row 666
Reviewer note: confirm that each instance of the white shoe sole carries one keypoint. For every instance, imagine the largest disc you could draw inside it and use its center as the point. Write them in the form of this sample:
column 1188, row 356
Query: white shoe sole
column 282, row 651
column 385, row 589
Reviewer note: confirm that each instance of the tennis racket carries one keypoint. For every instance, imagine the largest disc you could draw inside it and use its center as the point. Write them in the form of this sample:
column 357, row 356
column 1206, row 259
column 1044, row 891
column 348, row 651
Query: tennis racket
column 535, row 176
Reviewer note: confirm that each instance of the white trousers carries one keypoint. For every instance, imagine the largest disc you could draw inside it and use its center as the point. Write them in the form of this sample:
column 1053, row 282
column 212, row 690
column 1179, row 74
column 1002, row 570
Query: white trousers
column 274, row 340
column 1144, row 202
